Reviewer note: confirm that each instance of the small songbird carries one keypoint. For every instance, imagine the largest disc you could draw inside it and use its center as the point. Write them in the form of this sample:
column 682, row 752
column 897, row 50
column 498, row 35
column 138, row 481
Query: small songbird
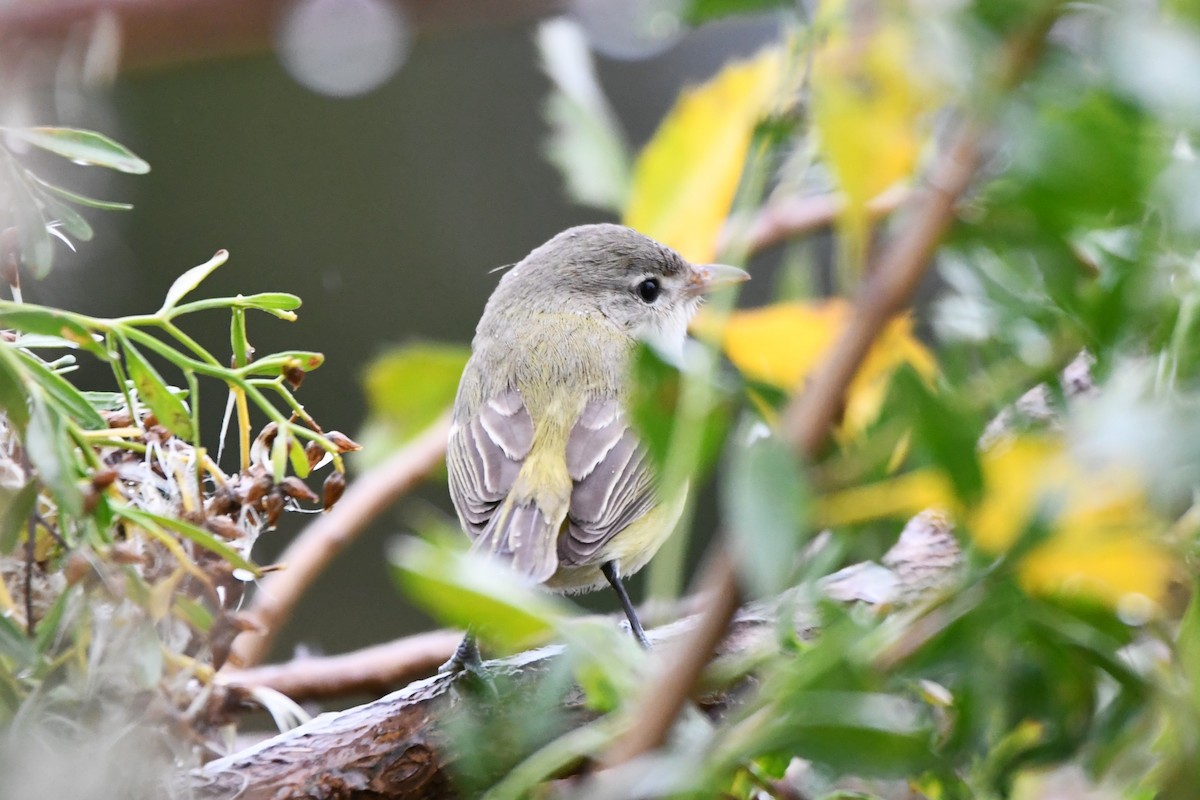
column 546, row 472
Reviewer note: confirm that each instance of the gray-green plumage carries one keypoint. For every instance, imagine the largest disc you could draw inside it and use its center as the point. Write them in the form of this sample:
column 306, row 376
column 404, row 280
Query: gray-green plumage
column 545, row 471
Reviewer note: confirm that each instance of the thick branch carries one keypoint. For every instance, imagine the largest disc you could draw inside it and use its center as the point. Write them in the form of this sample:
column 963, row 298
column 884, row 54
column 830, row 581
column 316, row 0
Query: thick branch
column 331, row 533
column 397, row 746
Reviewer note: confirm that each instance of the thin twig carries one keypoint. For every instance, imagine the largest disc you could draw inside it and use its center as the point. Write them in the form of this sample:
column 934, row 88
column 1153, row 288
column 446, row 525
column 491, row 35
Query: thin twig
column 371, row 670
column 320, row 542
column 791, row 216
column 809, row 417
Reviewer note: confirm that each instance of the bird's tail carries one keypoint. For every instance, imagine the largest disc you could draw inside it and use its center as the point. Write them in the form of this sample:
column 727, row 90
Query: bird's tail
column 522, row 535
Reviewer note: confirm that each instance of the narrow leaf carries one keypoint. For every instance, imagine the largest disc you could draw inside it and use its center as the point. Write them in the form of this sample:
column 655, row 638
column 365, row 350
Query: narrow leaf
column 29, row 318
column 298, row 457
column 187, row 530
column 70, row 219
column 169, row 409
column 14, row 399
column 189, row 280
column 270, row 301
column 37, row 249
column 765, row 505
column 63, row 395
column 15, row 508
column 50, row 452
column 585, row 143
column 470, row 590
column 83, row 200
column 16, row 645
column 81, row 146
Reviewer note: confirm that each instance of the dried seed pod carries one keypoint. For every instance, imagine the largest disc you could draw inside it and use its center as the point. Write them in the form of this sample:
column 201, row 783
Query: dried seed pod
column 293, row 374
column 344, row 443
column 257, row 490
column 314, row 452
column 296, row 489
column 222, row 501
column 77, row 568
column 335, row 484
column 273, row 506
column 124, row 553
column 103, row 478
column 224, row 527
column 117, row 419
column 260, row 448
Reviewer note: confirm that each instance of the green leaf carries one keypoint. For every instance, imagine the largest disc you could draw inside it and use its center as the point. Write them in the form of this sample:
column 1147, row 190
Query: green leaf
column 14, row 400
column 47, row 629
column 765, row 503
column 189, row 280
column 62, row 394
column 50, row 451
column 70, row 219
column 946, row 431
column 298, row 457
column 407, row 388
column 193, row 613
column 861, row 733
column 585, row 143
column 37, row 249
column 270, row 301
column 165, row 404
column 700, row 11
column 187, row 530
column 83, row 200
column 15, row 645
column 82, row 146
column 29, row 318
column 654, row 409
column 468, row 590
column 272, row 364
column 15, row 508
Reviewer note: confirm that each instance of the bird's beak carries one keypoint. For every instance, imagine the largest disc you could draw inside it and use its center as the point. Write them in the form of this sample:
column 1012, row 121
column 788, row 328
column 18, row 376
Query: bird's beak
column 706, row 277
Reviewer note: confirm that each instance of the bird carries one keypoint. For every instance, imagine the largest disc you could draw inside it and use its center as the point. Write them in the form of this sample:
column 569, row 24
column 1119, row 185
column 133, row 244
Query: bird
column 546, row 471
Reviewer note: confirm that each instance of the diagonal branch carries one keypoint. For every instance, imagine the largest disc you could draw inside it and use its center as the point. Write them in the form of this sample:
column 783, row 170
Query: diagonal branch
column 331, row 533
column 808, row 419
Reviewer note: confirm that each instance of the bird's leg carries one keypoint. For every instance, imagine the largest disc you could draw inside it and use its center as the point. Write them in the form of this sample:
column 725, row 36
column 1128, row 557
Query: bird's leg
column 609, row 570
column 465, row 658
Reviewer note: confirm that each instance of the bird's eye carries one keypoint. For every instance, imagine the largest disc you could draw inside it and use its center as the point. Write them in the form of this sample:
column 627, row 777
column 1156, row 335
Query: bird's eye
column 649, row 290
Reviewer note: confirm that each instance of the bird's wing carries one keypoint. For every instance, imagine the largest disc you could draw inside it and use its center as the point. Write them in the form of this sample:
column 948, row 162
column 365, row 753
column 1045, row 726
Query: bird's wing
column 485, row 456
column 614, row 483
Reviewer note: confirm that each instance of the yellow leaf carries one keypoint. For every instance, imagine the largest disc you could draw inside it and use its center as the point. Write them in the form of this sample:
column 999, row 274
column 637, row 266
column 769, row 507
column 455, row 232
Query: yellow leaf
column 685, row 179
column 781, row 344
column 869, row 109
column 903, row 496
column 1103, row 542
column 1016, row 473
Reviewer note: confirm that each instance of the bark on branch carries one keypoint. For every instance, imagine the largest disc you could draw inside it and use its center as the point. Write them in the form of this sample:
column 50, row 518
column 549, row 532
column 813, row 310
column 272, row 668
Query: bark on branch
column 399, row 747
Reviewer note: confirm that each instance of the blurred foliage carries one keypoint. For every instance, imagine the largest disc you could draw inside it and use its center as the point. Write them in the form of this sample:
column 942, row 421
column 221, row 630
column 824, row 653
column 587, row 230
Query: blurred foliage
column 124, row 546
column 407, row 388
column 1041, row 400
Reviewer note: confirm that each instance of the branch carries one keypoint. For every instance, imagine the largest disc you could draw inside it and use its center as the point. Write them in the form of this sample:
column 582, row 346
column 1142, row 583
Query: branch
column 792, row 216
column 371, row 670
column 164, row 32
column 318, row 544
column 397, row 746
column 809, row 417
